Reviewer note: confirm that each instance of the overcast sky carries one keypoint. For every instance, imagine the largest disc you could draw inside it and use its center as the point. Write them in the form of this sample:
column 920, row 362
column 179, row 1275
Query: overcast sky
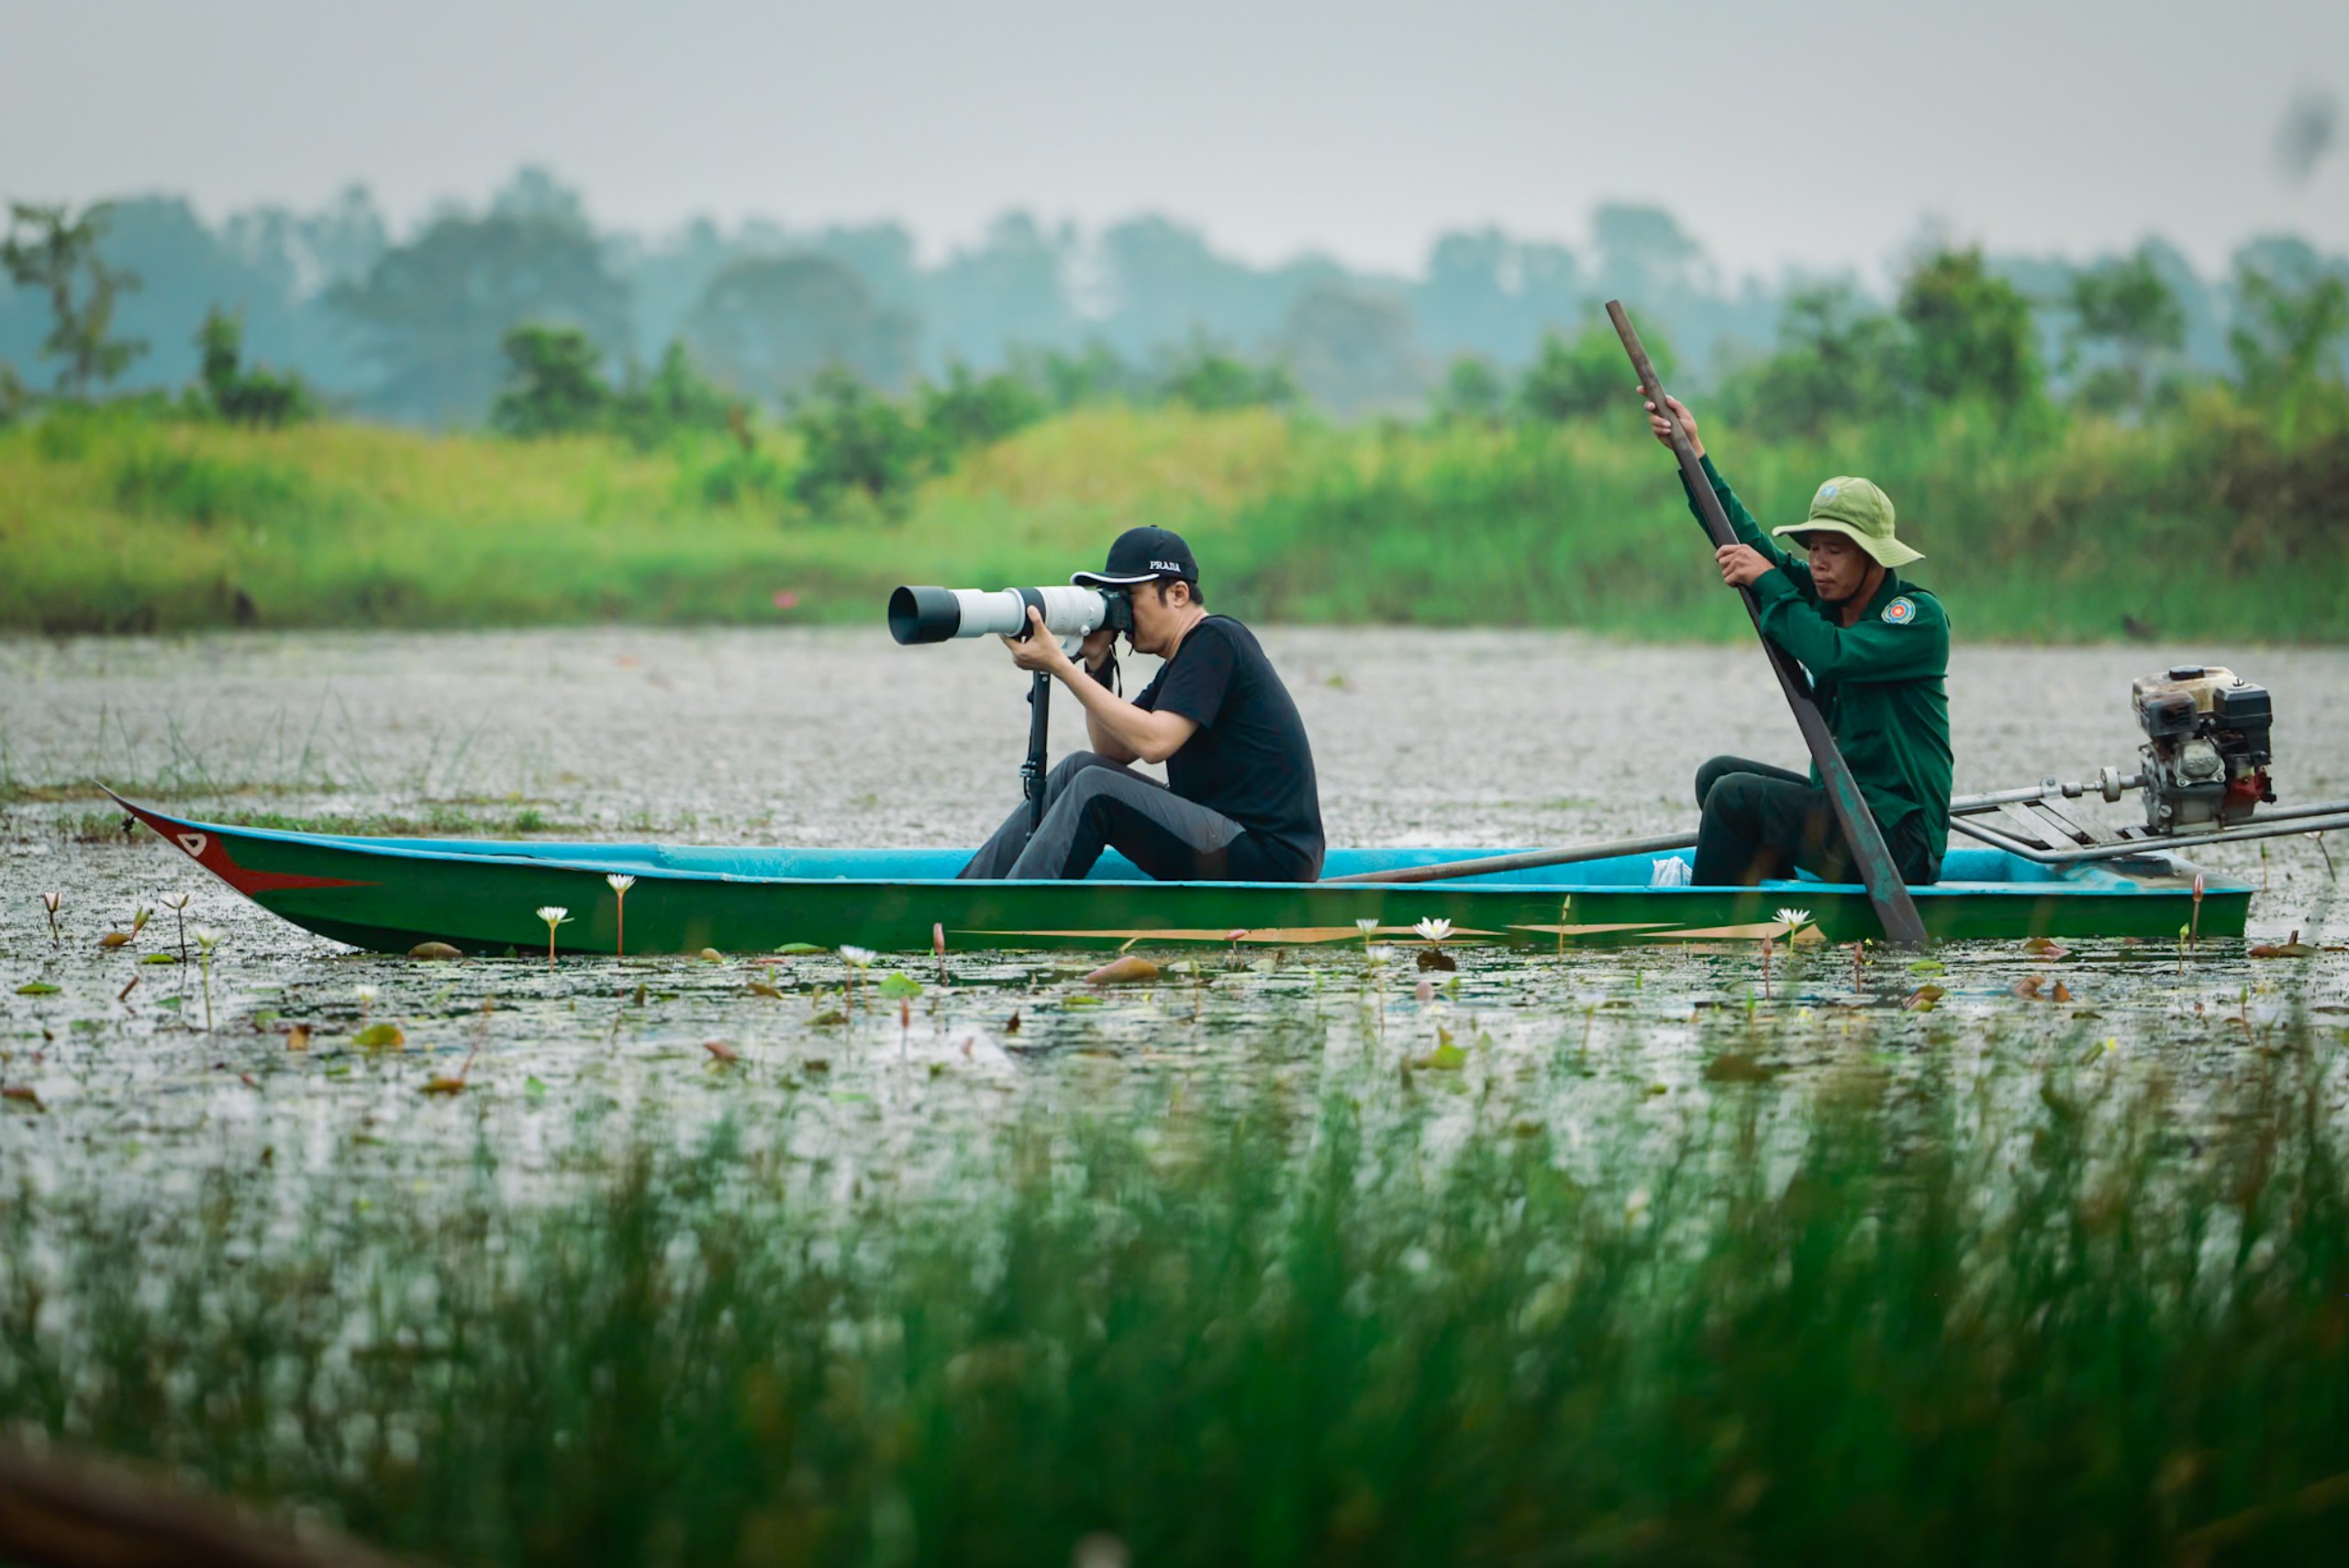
column 1819, row 133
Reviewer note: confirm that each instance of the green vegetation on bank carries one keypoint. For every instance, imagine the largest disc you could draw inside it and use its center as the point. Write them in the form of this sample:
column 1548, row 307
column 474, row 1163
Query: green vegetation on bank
column 2145, row 501
column 1927, row 1324
column 2203, row 524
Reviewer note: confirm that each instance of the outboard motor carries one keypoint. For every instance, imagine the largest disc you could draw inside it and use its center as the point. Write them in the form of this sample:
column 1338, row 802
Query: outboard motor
column 2206, row 749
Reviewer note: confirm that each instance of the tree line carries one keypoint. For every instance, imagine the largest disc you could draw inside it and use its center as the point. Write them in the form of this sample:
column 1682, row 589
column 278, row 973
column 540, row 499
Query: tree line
column 412, row 327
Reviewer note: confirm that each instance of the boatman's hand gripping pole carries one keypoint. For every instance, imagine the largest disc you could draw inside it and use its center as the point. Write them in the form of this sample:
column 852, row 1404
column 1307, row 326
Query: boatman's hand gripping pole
column 1039, row 723
column 1894, row 908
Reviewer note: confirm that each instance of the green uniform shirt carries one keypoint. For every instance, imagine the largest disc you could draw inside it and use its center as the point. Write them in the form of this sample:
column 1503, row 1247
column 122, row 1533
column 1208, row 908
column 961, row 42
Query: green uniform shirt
column 1880, row 681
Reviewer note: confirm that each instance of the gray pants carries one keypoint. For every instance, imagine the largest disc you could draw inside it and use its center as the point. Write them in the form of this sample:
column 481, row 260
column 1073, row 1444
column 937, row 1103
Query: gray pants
column 1092, row 804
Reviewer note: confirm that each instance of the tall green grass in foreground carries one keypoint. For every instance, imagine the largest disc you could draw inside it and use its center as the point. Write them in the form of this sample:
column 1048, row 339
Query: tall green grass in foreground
column 1890, row 1324
column 2203, row 525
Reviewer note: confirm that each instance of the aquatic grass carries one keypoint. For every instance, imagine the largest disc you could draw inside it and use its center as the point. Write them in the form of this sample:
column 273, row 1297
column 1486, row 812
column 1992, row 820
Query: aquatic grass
column 1925, row 1325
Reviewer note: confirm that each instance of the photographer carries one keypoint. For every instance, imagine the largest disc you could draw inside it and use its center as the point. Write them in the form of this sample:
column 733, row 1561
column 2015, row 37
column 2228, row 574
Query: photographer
column 1239, row 803
column 1876, row 647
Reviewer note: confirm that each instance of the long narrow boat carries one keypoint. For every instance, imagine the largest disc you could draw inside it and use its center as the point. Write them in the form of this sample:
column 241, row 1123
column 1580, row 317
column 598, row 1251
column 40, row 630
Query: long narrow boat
column 391, row 895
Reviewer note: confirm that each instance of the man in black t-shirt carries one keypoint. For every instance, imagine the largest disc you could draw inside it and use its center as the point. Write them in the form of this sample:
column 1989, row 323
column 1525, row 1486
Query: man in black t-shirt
column 1239, row 803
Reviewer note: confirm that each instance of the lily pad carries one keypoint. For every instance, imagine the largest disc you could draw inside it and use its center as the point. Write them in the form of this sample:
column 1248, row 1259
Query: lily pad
column 1126, row 971
column 379, row 1036
column 437, row 951
column 35, row 988
column 799, row 950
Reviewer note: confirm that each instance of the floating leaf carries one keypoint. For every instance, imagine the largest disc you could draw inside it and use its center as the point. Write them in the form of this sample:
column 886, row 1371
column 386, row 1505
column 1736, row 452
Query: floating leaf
column 434, row 950
column 379, row 1036
column 114, row 939
column 761, row 988
column 298, row 1038
column 1733, row 1067
column 2295, row 947
column 445, row 1086
column 35, row 988
column 1127, row 971
column 900, row 987
column 535, row 1088
column 22, row 1095
column 1436, row 958
column 720, row 1051
column 1080, row 1001
column 2045, row 947
column 1928, row 966
column 816, row 1064
column 1013, row 1026
column 827, row 1020
column 161, row 958
column 799, row 950
column 1921, row 999
column 711, row 955
column 1444, row 1058
column 2028, row 987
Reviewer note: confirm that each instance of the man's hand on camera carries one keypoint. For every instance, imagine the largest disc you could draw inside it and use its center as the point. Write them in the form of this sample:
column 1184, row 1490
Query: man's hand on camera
column 1100, row 647
column 1040, row 650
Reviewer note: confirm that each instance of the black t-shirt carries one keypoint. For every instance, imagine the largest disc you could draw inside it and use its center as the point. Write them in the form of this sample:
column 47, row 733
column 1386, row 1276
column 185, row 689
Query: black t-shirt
column 1249, row 759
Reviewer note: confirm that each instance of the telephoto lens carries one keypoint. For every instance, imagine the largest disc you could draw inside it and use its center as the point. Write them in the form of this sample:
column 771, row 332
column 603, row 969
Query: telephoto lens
column 941, row 615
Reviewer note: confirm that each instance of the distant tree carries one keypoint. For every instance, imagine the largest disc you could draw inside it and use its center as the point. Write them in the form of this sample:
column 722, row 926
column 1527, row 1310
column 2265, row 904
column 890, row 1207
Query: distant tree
column 13, row 395
column 1586, row 377
column 1472, row 392
column 972, row 411
column 1010, row 288
column 1090, row 376
column 239, row 395
column 439, row 308
column 1971, row 334
column 554, row 383
column 771, row 326
column 855, row 445
column 1838, row 360
column 1352, row 350
column 49, row 251
column 2287, row 339
column 675, row 397
column 1202, row 375
column 1645, row 256
column 2125, row 308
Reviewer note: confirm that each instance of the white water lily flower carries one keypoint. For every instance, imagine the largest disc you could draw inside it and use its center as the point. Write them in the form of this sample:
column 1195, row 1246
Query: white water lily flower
column 554, row 914
column 206, row 937
column 50, row 900
column 364, row 994
column 859, row 957
column 1434, row 930
column 620, row 882
column 1367, row 925
column 1794, row 920
column 175, row 902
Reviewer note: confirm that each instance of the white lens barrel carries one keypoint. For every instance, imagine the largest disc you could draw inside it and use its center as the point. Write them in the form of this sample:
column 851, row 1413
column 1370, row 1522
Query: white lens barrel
column 935, row 615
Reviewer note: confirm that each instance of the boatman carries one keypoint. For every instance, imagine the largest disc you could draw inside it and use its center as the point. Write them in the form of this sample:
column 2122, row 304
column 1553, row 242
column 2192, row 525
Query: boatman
column 1877, row 649
column 1239, row 803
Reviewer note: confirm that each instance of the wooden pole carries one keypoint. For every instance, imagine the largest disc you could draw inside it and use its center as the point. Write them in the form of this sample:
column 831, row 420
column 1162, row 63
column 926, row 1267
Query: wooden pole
column 1894, row 908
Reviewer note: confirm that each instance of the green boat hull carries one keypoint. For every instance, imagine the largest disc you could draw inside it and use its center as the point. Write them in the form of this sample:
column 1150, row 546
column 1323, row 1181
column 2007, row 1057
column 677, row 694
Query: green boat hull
column 391, row 895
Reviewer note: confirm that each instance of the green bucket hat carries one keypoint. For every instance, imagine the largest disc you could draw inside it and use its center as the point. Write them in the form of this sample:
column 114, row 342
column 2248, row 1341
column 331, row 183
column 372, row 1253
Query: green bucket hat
column 1855, row 508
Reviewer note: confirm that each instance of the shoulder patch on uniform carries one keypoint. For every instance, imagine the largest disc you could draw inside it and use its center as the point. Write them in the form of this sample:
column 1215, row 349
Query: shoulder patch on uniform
column 1901, row 611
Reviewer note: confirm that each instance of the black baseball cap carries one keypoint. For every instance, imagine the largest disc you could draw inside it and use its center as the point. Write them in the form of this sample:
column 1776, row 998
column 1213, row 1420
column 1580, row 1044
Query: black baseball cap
column 1142, row 555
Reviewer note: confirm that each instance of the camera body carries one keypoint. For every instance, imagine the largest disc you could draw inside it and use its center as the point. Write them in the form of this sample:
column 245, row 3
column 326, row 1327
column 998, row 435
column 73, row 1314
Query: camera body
column 941, row 615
